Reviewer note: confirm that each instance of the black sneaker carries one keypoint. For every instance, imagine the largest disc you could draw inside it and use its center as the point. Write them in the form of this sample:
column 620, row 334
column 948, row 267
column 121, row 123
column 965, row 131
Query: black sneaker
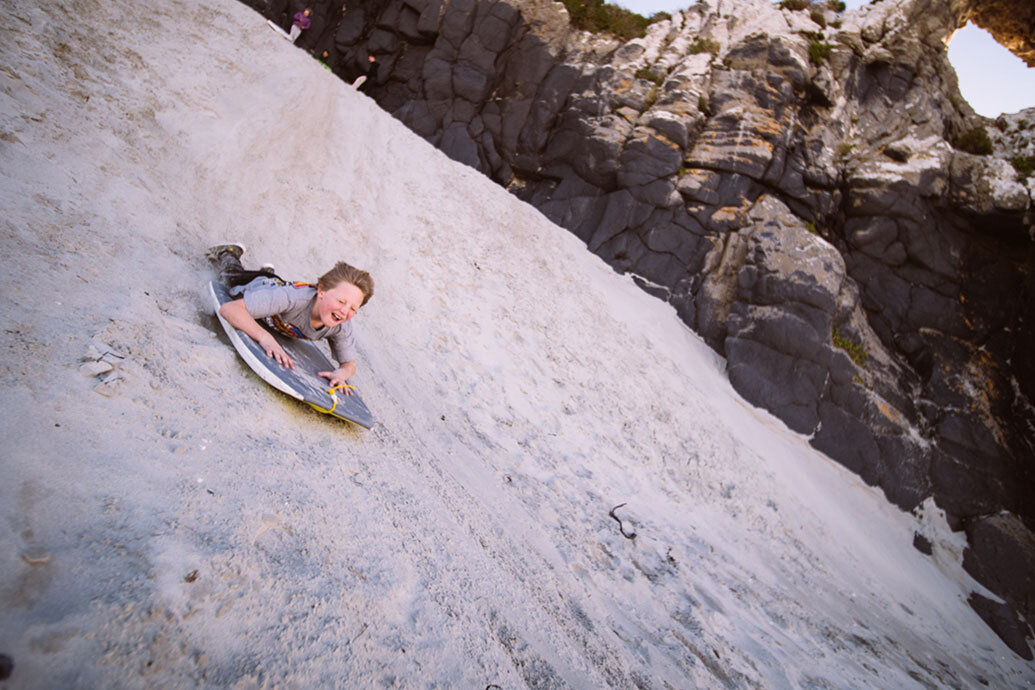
column 234, row 249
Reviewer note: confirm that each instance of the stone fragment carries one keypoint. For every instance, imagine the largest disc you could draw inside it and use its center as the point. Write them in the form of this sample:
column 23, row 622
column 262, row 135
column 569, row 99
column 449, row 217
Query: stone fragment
column 35, row 555
column 922, row 544
column 899, row 151
column 110, row 384
column 95, row 368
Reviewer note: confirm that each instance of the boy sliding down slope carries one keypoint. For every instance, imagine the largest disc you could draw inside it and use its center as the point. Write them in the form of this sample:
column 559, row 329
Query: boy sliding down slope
column 298, row 310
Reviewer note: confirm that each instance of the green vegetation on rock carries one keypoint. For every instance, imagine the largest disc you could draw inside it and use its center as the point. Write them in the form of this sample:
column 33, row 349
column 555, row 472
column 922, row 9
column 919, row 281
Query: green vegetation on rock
column 651, row 99
column 602, row 17
column 819, row 52
column 650, row 75
column 856, row 351
column 1024, row 165
column 974, row 141
column 703, row 45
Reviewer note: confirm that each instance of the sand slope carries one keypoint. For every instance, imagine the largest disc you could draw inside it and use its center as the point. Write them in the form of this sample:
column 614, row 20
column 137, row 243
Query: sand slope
column 174, row 522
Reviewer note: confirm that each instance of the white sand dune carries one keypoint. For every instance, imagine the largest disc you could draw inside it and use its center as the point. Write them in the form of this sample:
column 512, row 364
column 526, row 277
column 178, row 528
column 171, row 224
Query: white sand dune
column 175, row 522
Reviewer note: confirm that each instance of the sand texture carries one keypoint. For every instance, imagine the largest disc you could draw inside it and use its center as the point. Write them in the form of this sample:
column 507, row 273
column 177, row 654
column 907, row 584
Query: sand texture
column 169, row 520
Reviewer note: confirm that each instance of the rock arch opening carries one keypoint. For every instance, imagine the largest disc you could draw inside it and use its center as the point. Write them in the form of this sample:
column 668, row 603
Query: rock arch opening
column 991, row 78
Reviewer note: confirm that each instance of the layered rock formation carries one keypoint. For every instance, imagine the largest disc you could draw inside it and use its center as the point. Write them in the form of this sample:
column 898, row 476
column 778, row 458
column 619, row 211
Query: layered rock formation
column 788, row 180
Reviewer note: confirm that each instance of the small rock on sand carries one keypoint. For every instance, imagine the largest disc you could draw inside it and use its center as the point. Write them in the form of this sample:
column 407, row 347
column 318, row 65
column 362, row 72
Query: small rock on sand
column 95, row 368
column 36, row 555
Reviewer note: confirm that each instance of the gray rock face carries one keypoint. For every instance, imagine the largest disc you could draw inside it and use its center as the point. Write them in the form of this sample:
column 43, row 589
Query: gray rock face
column 1002, row 554
column 791, row 189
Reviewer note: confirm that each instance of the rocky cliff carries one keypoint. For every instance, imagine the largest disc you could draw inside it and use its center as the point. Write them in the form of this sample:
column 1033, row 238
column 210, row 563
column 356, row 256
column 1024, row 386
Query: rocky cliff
column 807, row 188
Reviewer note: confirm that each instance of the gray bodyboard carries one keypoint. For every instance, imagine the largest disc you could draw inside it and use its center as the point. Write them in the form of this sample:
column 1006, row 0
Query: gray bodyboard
column 302, row 382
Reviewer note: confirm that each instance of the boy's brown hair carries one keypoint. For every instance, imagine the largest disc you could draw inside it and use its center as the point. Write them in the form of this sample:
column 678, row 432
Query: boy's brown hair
column 344, row 273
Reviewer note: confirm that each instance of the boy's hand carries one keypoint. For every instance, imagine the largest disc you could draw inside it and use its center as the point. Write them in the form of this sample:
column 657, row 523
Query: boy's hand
column 340, row 376
column 236, row 314
column 275, row 351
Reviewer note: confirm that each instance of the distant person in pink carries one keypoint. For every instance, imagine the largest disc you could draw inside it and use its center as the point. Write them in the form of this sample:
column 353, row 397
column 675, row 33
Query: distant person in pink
column 302, row 23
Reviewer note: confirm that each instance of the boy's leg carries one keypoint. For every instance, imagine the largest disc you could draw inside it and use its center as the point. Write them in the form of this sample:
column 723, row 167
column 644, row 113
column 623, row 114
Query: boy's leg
column 230, row 269
column 296, row 30
column 276, row 28
column 215, row 251
column 228, row 258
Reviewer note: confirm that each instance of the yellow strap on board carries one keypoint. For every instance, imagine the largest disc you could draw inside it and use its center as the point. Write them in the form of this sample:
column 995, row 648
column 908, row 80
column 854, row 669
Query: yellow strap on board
column 334, row 397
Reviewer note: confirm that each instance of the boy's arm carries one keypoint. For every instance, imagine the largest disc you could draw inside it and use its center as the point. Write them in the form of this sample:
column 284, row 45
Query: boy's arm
column 237, row 315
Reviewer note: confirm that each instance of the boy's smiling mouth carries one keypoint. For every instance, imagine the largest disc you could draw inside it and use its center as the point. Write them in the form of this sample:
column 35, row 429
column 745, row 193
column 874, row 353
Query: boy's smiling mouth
column 337, row 305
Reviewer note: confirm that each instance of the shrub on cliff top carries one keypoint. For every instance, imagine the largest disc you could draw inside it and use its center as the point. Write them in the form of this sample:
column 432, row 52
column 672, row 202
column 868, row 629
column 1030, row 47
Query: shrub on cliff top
column 795, row 4
column 600, row 17
column 650, row 75
column 703, row 45
column 818, row 52
column 975, row 141
column 1024, row 165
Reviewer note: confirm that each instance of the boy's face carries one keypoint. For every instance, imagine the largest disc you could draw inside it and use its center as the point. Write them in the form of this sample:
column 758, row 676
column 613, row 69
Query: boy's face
column 337, row 305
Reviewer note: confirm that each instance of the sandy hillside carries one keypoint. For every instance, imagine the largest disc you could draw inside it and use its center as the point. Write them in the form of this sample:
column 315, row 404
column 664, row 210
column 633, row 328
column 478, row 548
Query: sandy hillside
column 174, row 522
